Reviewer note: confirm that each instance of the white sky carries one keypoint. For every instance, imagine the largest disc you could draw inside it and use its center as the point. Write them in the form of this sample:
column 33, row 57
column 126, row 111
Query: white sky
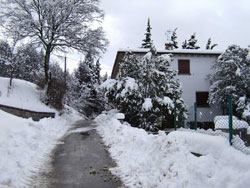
column 225, row 21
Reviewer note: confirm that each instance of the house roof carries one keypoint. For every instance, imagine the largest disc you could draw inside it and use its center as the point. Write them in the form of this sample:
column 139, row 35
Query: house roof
column 121, row 53
column 176, row 51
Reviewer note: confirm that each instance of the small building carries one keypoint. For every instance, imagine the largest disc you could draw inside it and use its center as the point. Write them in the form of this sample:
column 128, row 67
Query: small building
column 193, row 67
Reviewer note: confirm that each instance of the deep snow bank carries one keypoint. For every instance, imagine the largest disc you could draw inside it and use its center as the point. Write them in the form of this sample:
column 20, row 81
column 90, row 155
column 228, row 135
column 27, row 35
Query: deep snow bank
column 24, row 145
column 23, row 95
column 166, row 161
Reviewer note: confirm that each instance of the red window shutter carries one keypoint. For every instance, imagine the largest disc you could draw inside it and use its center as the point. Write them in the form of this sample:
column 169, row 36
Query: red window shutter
column 184, row 66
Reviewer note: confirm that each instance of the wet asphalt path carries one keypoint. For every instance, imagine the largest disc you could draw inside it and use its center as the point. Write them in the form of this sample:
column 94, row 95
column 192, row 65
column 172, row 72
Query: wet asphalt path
column 82, row 161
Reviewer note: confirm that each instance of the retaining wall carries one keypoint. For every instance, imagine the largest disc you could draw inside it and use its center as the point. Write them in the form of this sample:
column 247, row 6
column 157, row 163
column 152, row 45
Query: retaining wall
column 36, row 116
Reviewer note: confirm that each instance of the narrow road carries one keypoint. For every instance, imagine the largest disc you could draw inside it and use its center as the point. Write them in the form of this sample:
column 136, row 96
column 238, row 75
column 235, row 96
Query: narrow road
column 82, row 161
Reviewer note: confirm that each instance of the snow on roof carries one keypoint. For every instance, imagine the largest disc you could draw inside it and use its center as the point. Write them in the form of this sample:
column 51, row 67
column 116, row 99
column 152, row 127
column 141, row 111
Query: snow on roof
column 182, row 51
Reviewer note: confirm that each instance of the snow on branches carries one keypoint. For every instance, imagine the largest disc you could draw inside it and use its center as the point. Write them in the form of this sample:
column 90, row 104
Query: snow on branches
column 231, row 76
column 146, row 91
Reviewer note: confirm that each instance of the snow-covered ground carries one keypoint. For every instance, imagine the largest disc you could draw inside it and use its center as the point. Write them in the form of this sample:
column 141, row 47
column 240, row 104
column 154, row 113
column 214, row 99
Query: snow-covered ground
column 25, row 144
column 23, row 95
column 166, row 161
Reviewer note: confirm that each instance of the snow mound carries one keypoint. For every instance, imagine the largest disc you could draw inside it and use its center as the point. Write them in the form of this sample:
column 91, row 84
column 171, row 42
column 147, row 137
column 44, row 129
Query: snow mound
column 166, row 161
column 25, row 144
column 22, row 95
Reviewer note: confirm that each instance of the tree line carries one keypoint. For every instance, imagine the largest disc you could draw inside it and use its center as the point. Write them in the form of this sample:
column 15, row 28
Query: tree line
column 171, row 42
column 35, row 29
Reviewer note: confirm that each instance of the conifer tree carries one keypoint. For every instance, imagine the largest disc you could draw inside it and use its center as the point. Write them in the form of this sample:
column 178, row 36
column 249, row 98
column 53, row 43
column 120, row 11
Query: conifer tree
column 87, row 98
column 97, row 71
column 191, row 44
column 184, row 45
column 171, row 39
column 146, row 91
column 208, row 46
column 231, row 77
column 147, row 42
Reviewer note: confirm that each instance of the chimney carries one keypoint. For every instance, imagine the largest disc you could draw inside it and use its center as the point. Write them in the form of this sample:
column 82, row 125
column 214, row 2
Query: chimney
column 169, row 46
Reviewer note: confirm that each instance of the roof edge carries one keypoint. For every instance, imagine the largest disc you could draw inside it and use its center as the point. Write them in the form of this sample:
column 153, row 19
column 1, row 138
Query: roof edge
column 183, row 51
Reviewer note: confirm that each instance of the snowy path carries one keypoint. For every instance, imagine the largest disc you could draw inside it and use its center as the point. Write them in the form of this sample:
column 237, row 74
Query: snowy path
column 82, row 161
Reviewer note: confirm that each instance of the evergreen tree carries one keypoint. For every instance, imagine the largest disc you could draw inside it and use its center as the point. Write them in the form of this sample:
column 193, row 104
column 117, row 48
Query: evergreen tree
column 208, row 46
column 86, row 96
column 5, row 55
column 104, row 78
column 171, row 39
column 97, row 71
column 231, row 77
column 146, row 91
column 191, row 44
column 184, row 45
column 147, row 42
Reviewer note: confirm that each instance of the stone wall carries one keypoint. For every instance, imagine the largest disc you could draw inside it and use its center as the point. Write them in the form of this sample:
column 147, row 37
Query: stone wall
column 36, row 116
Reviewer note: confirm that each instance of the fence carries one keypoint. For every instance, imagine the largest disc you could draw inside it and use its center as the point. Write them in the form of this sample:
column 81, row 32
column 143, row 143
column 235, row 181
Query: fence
column 235, row 130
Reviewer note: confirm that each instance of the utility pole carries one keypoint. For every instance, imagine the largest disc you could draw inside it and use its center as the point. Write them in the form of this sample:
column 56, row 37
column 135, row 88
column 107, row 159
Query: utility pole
column 65, row 72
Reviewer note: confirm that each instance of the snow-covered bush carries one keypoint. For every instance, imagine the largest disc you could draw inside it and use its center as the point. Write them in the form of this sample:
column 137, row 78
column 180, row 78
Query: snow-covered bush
column 146, row 91
column 231, row 76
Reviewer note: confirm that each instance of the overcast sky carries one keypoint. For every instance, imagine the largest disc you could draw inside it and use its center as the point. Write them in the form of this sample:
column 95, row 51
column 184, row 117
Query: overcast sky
column 225, row 21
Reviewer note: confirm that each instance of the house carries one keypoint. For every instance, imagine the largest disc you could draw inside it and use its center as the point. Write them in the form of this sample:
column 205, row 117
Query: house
column 193, row 67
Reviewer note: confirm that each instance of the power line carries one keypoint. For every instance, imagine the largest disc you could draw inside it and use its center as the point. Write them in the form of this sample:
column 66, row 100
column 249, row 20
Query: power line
column 79, row 61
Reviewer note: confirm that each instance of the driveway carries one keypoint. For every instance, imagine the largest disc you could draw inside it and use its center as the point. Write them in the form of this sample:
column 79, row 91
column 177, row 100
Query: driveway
column 82, row 161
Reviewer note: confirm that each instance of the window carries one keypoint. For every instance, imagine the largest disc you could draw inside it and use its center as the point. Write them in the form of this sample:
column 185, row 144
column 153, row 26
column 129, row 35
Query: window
column 184, row 66
column 202, row 99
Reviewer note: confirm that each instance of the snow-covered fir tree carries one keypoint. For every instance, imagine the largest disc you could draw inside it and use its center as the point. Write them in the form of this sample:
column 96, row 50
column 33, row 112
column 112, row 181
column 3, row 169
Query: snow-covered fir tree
column 5, row 55
column 146, row 91
column 184, row 45
column 231, row 76
column 147, row 42
column 97, row 71
column 209, row 46
column 86, row 96
column 171, row 42
column 191, row 44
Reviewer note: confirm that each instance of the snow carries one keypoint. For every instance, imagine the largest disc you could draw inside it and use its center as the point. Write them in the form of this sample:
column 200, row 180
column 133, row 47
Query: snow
column 24, row 144
column 237, row 124
column 130, row 84
column 222, row 122
column 147, row 105
column 218, row 118
column 166, row 161
column 120, row 116
column 238, row 72
column 81, row 130
column 246, row 112
column 167, row 100
column 22, row 95
column 175, row 51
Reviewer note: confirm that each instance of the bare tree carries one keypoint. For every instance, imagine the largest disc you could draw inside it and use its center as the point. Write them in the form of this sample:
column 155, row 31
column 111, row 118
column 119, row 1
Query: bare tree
column 55, row 24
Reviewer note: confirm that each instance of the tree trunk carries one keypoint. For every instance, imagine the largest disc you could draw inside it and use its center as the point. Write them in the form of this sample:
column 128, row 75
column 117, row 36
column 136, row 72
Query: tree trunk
column 46, row 63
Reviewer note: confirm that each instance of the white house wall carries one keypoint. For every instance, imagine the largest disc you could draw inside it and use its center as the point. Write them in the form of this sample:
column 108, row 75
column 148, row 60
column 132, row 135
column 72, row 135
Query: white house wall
column 200, row 67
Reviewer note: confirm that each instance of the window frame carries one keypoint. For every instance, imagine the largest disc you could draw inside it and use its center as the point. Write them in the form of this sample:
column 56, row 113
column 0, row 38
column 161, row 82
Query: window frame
column 180, row 64
column 199, row 98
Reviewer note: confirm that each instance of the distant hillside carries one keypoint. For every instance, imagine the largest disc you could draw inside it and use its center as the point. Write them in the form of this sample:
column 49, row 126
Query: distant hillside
column 23, row 95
